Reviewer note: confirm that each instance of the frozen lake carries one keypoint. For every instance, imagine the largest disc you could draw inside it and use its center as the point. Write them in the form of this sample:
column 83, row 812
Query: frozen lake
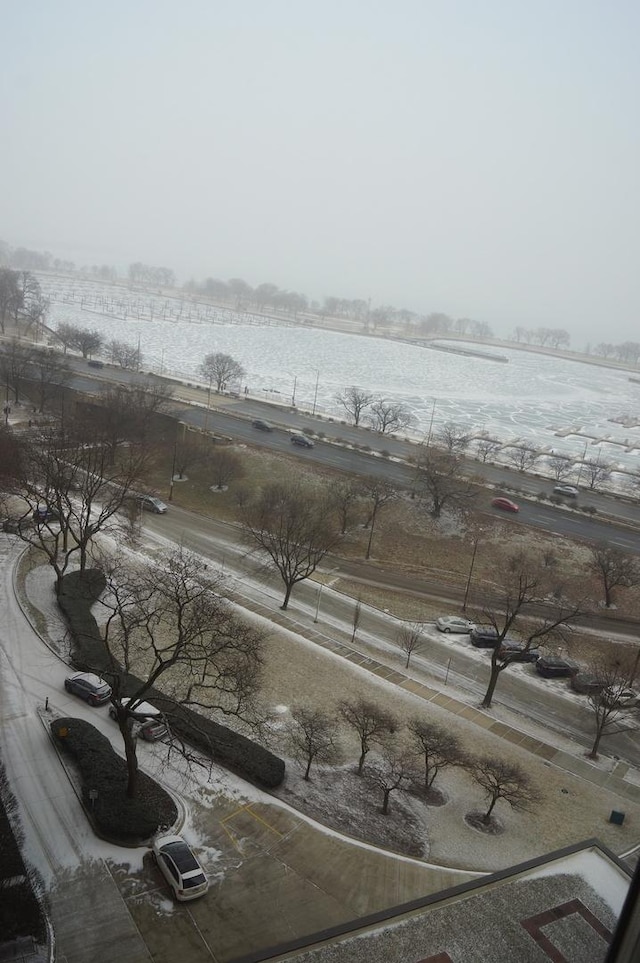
column 531, row 398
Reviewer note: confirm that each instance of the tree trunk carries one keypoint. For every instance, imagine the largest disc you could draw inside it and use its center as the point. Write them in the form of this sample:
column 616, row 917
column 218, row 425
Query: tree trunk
column 493, row 681
column 287, row 595
column 363, row 755
column 487, row 816
column 308, row 770
column 596, row 743
column 131, row 758
column 385, row 802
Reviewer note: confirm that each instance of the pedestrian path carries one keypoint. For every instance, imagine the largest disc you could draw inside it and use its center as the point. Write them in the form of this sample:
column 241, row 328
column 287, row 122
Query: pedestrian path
column 561, row 759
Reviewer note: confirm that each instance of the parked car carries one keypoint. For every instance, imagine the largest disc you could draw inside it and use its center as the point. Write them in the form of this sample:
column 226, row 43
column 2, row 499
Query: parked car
column 44, row 513
column 567, row 491
column 95, row 363
column 262, row 425
column 615, row 698
column 301, row 440
column 89, row 687
column 586, row 684
column 180, row 867
column 484, row 637
column 553, row 667
column 454, row 623
column 151, row 504
column 505, row 504
column 150, row 722
column 517, row 652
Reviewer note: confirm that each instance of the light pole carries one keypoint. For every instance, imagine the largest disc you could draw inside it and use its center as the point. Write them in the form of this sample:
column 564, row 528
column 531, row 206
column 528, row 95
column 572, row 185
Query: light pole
column 468, row 586
column 293, row 396
column 315, row 394
column 206, row 417
column 433, row 411
column 315, row 618
column 584, row 455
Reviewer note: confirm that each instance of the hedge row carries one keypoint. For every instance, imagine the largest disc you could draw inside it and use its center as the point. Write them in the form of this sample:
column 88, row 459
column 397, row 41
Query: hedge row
column 231, row 749
column 104, row 772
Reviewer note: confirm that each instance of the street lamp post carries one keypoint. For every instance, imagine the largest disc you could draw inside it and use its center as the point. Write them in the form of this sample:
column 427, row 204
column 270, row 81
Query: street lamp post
column 293, row 396
column 315, row 618
column 315, row 394
column 433, row 411
column 468, row 586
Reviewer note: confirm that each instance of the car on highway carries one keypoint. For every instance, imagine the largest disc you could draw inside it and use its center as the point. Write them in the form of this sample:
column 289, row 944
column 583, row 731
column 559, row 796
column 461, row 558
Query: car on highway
column 554, row 667
column 180, row 867
column 302, row 441
column 454, row 623
column 615, row 698
column 567, row 491
column 151, row 504
column 89, row 687
column 484, row 637
column 517, row 652
column 505, row 504
column 150, row 722
column 261, row 424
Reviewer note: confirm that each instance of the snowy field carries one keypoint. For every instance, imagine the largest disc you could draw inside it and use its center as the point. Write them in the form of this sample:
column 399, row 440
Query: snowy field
column 530, row 399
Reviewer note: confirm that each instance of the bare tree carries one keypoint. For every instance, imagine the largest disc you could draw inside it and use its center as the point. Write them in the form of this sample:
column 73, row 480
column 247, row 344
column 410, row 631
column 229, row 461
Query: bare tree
column 15, row 363
column 10, row 296
column 596, row 472
column 48, row 372
column 522, row 458
column 394, row 770
column 372, row 724
column 390, row 416
column 191, row 450
column 219, row 369
column 169, row 620
column 380, row 492
column 225, row 466
column 502, row 780
column 354, row 401
column 69, row 486
column 344, row 495
column 441, row 481
column 487, row 447
column 88, row 342
column 438, row 747
column 454, row 438
column 561, row 466
column 291, row 523
column 312, row 737
column 125, row 413
column 410, row 638
column 605, row 700
column 522, row 579
column 126, row 355
column 615, row 568
column 66, row 335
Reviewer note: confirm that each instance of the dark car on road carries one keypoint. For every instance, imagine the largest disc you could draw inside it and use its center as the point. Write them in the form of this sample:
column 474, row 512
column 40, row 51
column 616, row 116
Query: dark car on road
column 302, row 441
column 44, row 513
column 553, row 667
column 261, row 424
column 586, row 683
column 89, row 687
column 484, row 637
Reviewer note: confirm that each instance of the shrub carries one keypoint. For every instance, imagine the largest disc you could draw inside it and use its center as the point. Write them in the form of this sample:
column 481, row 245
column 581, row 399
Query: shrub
column 102, row 770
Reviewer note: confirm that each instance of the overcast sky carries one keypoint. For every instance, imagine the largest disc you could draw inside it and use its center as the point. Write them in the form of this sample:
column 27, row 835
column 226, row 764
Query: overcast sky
column 478, row 158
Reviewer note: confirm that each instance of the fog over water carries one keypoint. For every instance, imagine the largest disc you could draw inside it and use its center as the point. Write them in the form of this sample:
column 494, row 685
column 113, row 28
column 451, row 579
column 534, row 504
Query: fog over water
column 530, row 398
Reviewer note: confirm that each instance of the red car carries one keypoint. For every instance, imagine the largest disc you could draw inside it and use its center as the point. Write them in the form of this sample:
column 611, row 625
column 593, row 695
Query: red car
column 505, row 504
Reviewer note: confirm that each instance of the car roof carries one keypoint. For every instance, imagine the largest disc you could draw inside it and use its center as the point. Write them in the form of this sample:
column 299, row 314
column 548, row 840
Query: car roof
column 141, row 708
column 90, row 677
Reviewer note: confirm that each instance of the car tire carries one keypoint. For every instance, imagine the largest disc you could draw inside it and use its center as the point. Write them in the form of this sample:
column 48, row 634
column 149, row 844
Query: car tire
column 92, row 701
column 67, row 686
column 447, row 630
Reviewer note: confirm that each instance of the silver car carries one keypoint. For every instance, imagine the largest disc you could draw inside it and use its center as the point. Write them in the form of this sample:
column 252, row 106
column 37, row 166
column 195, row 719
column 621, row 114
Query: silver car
column 149, row 722
column 454, row 623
